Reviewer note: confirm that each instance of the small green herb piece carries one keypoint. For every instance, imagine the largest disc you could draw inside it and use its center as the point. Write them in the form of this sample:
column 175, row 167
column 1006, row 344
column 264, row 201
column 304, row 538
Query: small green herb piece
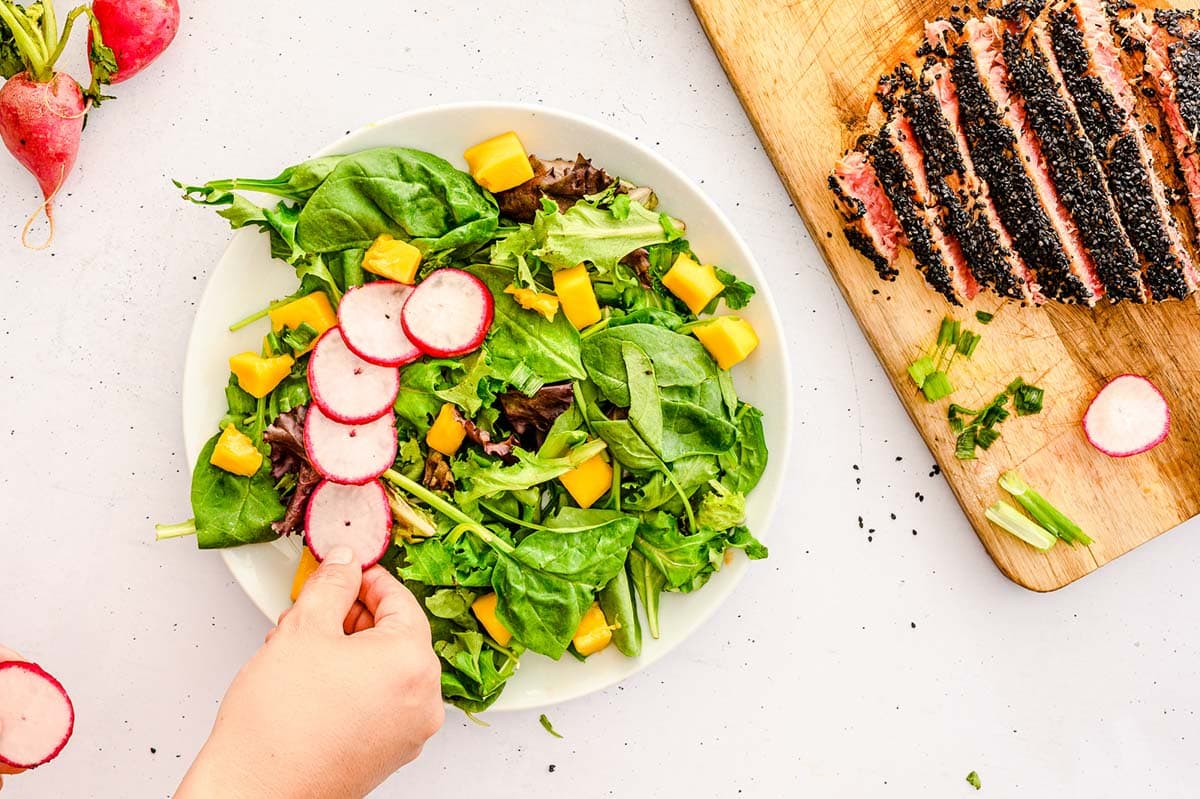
column 1009, row 519
column 983, row 317
column 548, row 727
column 967, row 342
column 937, row 386
column 1028, row 400
column 298, row 339
column 1040, row 508
column 920, row 369
column 973, row 778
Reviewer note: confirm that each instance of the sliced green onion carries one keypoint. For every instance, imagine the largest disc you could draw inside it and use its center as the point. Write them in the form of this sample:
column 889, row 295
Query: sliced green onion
column 964, row 448
column 920, row 369
column 984, row 317
column 1040, row 508
column 948, row 332
column 1028, row 400
column 986, row 436
column 967, row 343
column 937, row 386
column 1009, row 519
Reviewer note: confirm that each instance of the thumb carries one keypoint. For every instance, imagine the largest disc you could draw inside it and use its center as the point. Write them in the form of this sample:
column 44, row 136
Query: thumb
column 330, row 592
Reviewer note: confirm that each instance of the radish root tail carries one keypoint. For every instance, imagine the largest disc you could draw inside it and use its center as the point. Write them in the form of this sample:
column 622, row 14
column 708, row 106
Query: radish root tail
column 46, row 208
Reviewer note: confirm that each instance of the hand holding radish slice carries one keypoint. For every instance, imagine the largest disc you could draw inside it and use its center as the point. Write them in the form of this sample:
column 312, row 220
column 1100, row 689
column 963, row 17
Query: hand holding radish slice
column 138, row 31
column 370, row 320
column 36, row 715
column 347, row 388
column 448, row 313
column 1127, row 417
column 358, row 517
column 352, row 454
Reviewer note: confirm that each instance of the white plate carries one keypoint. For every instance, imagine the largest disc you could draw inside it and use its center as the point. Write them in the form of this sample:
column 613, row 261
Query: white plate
column 246, row 279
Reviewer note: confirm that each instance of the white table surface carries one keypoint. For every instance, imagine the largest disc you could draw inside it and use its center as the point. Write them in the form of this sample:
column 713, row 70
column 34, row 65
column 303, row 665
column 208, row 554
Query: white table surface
column 848, row 665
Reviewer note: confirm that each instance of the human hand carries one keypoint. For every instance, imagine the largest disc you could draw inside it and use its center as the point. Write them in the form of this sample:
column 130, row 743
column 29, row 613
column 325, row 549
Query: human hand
column 5, row 656
column 345, row 690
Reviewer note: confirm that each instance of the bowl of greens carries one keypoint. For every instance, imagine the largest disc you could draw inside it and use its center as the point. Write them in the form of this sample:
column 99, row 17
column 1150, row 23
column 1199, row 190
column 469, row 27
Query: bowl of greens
column 514, row 357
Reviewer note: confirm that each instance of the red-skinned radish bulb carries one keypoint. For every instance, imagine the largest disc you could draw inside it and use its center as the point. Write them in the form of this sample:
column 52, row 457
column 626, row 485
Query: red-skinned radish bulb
column 138, row 31
column 42, row 110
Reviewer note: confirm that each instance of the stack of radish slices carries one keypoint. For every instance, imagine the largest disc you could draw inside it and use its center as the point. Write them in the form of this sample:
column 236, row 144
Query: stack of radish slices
column 354, row 376
column 36, row 715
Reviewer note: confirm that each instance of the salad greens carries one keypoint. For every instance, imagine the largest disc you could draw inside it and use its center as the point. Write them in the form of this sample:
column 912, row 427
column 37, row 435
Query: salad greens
column 538, row 399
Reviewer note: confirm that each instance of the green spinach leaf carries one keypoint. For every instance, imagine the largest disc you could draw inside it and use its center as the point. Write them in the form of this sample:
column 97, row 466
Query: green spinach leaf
column 231, row 509
column 743, row 464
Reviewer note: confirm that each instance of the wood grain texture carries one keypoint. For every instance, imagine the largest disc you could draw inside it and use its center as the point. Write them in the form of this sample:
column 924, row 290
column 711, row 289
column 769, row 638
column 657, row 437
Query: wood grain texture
column 806, row 71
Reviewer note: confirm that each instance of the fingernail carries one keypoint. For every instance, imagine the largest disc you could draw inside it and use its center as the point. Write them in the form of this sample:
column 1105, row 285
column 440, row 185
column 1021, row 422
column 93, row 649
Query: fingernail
column 340, row 555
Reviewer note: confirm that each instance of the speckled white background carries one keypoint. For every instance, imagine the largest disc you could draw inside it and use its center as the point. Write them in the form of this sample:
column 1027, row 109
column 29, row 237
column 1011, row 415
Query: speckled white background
column 848, row 665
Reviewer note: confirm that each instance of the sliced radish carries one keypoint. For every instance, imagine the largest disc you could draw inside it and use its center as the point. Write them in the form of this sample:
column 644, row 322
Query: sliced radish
column 358, row 517
column 36, row 715
column 349, row 389
column 370, row 320
column 448, row 313
column 1128, row 416
column 348, row 453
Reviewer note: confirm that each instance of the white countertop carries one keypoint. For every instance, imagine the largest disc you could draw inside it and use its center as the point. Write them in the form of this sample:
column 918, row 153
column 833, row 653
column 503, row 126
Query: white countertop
column 848, row 665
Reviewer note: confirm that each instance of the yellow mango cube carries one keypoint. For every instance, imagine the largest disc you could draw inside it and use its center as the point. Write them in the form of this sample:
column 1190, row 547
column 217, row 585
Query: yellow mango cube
column 393, row 259
column 484, row 609
column 577, row 297
column 308, row 564
column 236, row 453
column 544, row 303
column 313, row 309
column 728, row 339
column 696, row 285
column 593, row 633
column 588, row 481
column 258, row 375
column 447, row 433
column 500, row 163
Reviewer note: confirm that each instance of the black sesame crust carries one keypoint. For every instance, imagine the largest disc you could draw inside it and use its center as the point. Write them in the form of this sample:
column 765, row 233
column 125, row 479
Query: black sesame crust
column 1074, row 169
column 1185, row 62
column 1130, row 178
column 997, row 160
column 898, row 184
column 945, row 170
column 853, row 211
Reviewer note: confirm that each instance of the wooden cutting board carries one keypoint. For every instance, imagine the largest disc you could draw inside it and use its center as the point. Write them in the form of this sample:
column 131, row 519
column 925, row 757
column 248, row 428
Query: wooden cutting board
column 806, row 71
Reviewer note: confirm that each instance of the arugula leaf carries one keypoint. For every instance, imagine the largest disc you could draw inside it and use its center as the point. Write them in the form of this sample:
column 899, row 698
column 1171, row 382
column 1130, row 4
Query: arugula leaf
column 548, row 349
column 737, row 293
column 595, row 235
column 409, row 194
column 231, row 509
column 482, row 478
column 513, row 251
column 429, row 563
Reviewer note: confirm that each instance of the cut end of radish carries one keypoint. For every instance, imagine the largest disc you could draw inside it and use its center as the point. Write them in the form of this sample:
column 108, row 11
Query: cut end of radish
column 1127, row 417
column 369, row 317
column 347, row 453
column 358, row 517
column 347, row 388
column 36, row 715
column 448, row 314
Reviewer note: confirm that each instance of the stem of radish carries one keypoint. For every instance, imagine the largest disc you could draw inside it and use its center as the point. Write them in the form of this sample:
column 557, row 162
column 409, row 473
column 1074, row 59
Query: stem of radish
column 29, row 42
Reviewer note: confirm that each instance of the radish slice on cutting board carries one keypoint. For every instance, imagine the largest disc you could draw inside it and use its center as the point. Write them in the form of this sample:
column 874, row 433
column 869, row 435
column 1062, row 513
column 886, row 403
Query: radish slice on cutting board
column 347, row 388
column 358, row 517
column 347, row 453
column 448, row 314
column 1128, row 416
column 36, row 715
column 369, row 317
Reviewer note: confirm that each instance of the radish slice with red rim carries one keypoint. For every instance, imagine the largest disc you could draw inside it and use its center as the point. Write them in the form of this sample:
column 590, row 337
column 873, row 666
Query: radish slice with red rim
column 348, row 453
column 347, row 388
column 448, row 313
column 1127, row 417
column 36, row 715
column 358, row 517
column 369, row 317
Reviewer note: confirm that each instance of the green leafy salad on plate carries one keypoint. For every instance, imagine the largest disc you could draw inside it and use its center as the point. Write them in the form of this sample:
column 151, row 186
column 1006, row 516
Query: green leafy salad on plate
column 510, row 387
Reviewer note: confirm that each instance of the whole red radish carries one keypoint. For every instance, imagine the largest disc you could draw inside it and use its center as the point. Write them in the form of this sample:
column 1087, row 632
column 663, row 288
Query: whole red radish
column 138, row 31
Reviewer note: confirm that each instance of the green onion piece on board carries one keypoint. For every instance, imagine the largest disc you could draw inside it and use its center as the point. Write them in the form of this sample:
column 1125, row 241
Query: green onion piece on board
column 937, row 386
column 1040, row 508
column 1009, row 519
column 984, row 317
column 920, row 369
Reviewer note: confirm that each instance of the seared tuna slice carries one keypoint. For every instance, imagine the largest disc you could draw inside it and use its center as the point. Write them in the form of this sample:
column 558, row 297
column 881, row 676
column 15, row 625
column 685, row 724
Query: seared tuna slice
column 899, row 163
column 1070, row 158
column 971, row 212
column 871, row 224
column 1008, row 157
column 1084, row 49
